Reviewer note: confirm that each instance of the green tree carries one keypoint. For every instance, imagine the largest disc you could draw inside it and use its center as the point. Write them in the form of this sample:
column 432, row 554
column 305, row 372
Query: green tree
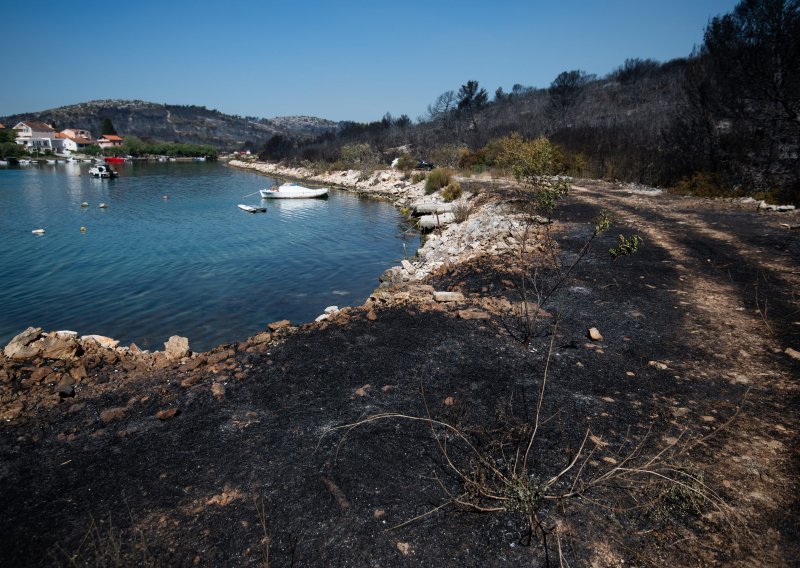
column 108, row 127
column 7, row 135
column 92, row 150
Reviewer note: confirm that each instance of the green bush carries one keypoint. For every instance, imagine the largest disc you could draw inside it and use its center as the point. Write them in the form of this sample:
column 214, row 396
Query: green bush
column 448, row 155
column 359, row 156
column 475, row 162
column 437, row 179
column 405, row 163
column 452, row 191
column 529, row 160
column 417, row 177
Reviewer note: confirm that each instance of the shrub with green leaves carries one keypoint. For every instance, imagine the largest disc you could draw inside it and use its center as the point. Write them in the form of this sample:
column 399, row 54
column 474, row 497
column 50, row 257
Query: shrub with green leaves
column 626, row 246
column 529, row 160
column 359, row 156
column 451, row 191
column 405, row 163
column 536, row 164
column 437, row 179
column 448, row 155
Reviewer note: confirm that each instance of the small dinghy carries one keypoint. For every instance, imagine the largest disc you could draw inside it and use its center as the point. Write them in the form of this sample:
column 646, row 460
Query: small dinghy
column 251, row 209
column 293, row 191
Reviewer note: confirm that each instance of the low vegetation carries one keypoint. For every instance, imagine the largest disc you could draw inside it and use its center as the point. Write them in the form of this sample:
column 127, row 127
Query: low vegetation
column 438, row 179
column 136, row 147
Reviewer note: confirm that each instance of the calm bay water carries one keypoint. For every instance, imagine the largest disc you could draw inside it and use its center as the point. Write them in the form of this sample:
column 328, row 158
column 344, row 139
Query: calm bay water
column 192, row 264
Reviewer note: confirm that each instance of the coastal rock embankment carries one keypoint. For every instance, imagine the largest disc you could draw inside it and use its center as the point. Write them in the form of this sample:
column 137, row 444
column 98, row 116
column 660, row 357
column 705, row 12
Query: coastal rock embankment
column 385, row 184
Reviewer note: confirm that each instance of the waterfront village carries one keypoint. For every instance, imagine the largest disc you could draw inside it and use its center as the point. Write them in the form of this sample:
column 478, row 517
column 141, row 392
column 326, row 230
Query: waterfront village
column 35, row 139
column 38, row 137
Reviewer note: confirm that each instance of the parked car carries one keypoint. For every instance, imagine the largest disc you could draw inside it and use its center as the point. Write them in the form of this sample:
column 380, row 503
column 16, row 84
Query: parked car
column 423, row 165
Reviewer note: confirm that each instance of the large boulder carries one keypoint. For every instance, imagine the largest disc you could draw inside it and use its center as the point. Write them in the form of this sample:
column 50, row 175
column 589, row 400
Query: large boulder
column 54, row 346
column 432, row 207
column 448, row 296
column 22, row 346
column 428, row 222
column 99, row 340
column 176, row 347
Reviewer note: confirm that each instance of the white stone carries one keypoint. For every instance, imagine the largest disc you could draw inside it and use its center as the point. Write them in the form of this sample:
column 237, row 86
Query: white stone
column 448, row 296
column 176, row 347
column 428, row 208
column 66, row 334
column 433, row 221
column 101, row 340
column 408, row 266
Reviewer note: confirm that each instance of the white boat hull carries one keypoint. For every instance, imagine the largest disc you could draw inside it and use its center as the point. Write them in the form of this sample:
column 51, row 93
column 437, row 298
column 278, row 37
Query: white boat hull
column 293, row 191
column 251, row 209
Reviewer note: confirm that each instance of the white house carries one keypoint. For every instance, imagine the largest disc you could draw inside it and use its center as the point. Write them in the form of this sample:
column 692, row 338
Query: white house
column 75, row 139
column 37, row 136
column 109, row 141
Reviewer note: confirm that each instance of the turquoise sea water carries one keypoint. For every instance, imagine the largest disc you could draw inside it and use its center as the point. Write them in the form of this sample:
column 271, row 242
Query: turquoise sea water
column 172, row 254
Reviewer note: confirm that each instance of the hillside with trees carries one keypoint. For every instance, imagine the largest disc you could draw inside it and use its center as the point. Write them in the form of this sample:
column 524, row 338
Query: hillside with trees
column 187, row 124
column 723, row 120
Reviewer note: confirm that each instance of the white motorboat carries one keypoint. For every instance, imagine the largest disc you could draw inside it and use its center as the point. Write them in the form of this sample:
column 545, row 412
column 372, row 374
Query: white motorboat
column 293, row 191
column 103, row 171
column 251, row 209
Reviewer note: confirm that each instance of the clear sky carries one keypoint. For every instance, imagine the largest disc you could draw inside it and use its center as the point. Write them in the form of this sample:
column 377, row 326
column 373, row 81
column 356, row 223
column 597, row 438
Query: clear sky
column 337, row 59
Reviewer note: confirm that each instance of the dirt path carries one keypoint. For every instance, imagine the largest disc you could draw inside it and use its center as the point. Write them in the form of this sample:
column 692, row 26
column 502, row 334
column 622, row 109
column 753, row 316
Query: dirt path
column 738, row 290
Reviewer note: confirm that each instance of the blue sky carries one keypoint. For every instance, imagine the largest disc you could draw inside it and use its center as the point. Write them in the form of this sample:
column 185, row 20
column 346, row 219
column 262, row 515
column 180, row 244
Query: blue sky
column 342, row 60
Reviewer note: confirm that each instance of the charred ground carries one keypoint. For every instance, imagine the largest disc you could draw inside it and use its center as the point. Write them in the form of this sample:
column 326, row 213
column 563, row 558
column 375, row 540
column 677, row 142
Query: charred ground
column 692, row 359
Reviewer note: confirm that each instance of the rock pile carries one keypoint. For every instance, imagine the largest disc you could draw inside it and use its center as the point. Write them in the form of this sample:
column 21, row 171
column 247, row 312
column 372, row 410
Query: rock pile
column 39, row 370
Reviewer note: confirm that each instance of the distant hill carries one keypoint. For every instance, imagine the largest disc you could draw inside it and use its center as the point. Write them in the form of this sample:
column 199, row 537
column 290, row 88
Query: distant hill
column 177, row 123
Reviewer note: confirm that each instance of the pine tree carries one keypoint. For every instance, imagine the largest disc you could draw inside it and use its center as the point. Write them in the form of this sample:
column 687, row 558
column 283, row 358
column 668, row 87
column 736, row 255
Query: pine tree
column 107, row 127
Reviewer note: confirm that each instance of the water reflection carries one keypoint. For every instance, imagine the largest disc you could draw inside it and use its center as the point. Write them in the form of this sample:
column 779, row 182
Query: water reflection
column 192, row 264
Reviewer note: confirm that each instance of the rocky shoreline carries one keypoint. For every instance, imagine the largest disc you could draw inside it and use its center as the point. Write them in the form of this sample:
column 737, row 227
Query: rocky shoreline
column 40, row 370
column 491, row 226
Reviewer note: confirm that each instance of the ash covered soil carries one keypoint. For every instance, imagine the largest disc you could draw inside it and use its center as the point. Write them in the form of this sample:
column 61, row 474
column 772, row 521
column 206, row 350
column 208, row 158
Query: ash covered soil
column 325, row 445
